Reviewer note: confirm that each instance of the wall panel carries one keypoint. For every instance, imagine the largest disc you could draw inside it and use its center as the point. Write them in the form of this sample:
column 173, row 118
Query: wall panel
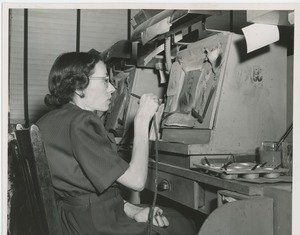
column 101, row 28
column 50, row 33
column 16, row 94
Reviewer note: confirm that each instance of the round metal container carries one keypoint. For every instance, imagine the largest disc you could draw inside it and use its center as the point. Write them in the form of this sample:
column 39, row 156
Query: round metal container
column 271, row 175
column 250, row 176
column 228, row 176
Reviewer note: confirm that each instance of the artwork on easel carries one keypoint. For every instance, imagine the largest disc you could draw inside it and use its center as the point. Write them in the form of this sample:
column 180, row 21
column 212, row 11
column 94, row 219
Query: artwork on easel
column 192, row 87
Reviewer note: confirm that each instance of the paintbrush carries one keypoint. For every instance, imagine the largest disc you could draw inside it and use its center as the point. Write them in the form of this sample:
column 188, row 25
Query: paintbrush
column 134, row 95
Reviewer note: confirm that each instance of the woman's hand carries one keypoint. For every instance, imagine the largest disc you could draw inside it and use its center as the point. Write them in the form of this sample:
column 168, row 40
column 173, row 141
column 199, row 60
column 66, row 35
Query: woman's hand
column 136, row 175
column 158, row 218
column 148, row 106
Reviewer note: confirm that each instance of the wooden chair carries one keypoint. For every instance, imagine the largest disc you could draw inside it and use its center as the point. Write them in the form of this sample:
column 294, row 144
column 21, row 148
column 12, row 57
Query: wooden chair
column 36, row 175
column 20, row 220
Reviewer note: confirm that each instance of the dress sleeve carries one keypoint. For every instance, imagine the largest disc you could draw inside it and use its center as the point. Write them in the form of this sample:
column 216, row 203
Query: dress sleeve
column 92, row 149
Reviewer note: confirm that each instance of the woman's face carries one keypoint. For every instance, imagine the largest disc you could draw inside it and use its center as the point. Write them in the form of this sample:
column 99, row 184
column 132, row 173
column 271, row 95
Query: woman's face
column 97, row 95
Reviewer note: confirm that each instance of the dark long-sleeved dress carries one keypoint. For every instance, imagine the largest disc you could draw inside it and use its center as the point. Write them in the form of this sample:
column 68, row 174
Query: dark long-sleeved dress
column 84, row 166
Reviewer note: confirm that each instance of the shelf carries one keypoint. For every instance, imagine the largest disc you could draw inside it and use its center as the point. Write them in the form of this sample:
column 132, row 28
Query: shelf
column 178, row 19
column 278, row 17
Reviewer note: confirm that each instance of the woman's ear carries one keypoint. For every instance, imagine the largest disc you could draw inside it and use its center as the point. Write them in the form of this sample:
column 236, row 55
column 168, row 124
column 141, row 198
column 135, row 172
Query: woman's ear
column 79, row 93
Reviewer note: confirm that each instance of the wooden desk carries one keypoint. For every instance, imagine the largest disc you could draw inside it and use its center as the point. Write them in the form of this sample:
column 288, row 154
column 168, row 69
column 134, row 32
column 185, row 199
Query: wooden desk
column 258, row 208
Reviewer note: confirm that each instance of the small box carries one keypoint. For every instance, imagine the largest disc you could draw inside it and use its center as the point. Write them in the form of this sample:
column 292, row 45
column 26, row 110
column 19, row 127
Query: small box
column 142, row 16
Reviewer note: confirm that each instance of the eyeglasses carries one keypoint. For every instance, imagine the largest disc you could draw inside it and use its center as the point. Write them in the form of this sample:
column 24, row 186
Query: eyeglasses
column 105, row 79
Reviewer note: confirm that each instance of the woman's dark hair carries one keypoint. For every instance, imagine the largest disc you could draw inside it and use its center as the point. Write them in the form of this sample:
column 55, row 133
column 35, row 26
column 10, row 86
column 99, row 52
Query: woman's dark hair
column 69, row 72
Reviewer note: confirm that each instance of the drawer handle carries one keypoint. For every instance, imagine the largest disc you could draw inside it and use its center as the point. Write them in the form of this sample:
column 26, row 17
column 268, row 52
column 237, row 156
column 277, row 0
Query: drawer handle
column 164, row 185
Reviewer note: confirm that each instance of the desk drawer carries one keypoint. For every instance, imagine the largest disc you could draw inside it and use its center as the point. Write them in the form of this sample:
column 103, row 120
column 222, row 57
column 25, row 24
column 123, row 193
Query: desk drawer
column 177, row 188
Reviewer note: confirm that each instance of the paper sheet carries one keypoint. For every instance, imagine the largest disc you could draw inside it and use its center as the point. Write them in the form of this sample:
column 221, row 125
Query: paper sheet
column 260, row 35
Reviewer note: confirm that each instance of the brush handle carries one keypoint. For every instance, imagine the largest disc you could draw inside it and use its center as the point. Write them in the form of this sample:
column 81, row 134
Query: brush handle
column 134, row 95
column 284, row 136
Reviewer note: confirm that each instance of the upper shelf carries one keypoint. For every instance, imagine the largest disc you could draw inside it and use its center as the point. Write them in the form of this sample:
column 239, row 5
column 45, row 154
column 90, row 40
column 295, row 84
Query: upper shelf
column 169, row 22
column 276, row 17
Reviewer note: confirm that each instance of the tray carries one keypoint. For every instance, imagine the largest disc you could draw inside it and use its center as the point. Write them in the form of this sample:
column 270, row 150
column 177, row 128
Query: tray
column 239, row 169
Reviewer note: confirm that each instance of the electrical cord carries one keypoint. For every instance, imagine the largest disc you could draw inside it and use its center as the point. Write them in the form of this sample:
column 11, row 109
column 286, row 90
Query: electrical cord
column 150, row 218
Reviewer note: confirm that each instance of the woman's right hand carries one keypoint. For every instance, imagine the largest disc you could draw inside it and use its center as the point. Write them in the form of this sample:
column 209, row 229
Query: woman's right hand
column 136, row 175
column 148, row 106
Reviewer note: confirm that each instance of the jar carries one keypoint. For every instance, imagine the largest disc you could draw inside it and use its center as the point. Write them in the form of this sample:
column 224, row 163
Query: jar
column 269, row 154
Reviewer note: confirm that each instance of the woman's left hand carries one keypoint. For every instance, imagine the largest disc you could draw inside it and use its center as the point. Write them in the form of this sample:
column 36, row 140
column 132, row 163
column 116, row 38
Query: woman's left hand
column 158, row 218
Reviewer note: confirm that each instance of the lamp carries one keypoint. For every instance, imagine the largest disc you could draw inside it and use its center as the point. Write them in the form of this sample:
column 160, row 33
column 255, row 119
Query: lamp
column 260, row 35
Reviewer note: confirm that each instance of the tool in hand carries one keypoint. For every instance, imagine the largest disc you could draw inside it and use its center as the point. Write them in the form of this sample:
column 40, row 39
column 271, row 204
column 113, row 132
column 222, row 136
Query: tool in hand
column 138, row 97
column 134, row 95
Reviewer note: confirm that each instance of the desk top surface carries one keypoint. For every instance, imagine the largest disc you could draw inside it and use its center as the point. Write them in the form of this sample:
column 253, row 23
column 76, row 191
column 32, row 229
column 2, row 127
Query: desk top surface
column 241, row 186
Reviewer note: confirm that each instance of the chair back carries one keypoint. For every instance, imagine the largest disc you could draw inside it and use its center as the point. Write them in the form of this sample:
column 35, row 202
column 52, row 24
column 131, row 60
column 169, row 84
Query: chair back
column 38, row 182
column 19, row 214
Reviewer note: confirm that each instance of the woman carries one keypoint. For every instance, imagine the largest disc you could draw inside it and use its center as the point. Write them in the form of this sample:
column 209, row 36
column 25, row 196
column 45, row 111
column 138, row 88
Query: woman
column 85, row 167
